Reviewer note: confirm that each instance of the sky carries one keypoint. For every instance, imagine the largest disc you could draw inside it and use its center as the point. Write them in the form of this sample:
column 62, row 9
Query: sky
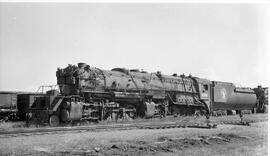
column 222, row 42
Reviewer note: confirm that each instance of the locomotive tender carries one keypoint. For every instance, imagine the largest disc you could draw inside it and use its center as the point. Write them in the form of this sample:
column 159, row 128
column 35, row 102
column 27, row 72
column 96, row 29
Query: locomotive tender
column 94, row 94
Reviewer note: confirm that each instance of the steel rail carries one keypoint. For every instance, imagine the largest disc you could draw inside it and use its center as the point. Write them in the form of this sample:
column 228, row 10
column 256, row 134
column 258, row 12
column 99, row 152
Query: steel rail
column 33, row 131
column 124, row 126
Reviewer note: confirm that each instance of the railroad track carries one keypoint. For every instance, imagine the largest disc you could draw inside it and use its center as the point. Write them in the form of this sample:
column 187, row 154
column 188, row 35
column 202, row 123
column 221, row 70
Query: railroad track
column 123, row 126
column 79, row 129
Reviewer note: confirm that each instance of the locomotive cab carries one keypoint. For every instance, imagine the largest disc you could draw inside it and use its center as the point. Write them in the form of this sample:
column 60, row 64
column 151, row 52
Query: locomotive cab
column 204, row 88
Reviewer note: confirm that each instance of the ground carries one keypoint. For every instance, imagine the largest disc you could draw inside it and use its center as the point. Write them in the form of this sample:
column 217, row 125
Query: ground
column 224, row 140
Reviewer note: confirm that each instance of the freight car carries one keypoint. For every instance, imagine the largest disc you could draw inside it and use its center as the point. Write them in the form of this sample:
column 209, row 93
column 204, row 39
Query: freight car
column 8, row 105
column 88, row 93
column 15, row 104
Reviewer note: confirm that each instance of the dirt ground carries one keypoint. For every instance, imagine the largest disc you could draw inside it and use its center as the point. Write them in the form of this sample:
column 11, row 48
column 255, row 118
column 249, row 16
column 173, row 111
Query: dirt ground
column 224, row 140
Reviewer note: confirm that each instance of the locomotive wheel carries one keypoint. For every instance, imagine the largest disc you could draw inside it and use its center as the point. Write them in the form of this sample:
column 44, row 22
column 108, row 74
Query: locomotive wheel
column 132, row 114
column 197, row 113
column 175, row 110
column 54, row 120
column 64, row 115
column 207, row 116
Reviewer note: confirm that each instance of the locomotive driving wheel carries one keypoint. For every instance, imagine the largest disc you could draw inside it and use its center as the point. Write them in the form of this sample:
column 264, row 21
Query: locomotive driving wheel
column 175, row 110
column 54, row 120
column 132, row 114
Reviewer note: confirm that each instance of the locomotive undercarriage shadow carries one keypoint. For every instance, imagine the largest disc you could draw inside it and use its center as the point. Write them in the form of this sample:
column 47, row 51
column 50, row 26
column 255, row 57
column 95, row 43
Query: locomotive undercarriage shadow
column 187, row 111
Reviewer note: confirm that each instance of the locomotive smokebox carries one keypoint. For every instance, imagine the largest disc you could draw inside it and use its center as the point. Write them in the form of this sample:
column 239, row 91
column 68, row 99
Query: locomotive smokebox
column 82, row 65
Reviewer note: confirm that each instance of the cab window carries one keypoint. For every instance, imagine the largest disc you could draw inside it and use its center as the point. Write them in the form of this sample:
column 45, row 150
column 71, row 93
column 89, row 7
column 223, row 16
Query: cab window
column 205, row 87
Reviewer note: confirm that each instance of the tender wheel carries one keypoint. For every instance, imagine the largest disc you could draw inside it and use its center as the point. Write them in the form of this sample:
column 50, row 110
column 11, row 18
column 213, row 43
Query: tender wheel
column 54, row 120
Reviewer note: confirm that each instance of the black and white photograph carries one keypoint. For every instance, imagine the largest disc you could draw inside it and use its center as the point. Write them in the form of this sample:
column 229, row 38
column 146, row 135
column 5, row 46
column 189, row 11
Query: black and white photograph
column 116, row 78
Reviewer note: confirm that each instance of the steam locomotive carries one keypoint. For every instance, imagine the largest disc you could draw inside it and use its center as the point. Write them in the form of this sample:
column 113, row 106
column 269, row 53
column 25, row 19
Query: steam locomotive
column 88, row 93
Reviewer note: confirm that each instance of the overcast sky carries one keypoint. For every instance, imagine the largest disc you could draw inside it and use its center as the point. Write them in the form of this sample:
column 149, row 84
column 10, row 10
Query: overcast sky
column 224, row 42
